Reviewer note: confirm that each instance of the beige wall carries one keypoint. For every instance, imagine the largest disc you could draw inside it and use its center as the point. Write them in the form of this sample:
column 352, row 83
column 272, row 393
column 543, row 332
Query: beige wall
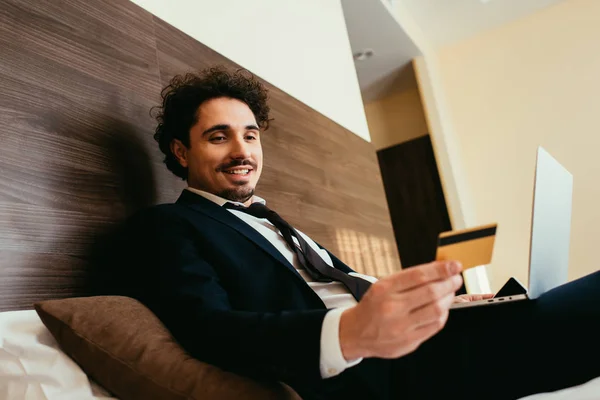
column 302, row 47
column 441, row 131
column 533, row 82
column 396, row 118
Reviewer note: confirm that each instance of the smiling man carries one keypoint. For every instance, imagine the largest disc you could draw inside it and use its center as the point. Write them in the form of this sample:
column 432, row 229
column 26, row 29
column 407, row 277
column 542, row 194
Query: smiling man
column 223, row 154
column 242, row 289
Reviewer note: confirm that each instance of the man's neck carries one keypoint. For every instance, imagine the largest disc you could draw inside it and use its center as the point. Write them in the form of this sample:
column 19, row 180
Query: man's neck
column 220, row 200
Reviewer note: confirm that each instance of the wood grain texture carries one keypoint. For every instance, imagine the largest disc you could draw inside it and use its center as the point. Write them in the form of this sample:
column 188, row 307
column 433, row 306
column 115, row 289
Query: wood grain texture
column 78, row 79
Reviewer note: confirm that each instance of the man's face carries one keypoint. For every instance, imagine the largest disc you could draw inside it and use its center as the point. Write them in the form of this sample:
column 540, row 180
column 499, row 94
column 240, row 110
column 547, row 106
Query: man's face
column 225, row 154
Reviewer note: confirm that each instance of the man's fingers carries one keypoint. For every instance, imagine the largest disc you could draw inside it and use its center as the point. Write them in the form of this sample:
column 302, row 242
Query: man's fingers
column 436, row 312
column 423, row 274
column 431, row 292
column 465, row 298
column 461, row 299
column 477, row 297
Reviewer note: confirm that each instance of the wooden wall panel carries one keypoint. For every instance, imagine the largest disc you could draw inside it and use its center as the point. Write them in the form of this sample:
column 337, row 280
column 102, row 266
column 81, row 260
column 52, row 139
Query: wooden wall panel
column 78, row 79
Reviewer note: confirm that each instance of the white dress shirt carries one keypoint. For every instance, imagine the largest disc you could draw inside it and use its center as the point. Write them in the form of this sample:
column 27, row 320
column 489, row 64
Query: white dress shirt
column 334, row 295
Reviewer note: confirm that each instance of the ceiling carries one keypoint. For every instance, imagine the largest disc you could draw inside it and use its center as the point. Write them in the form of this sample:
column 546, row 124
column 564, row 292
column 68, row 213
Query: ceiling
column 371, row 25
column 445, row 22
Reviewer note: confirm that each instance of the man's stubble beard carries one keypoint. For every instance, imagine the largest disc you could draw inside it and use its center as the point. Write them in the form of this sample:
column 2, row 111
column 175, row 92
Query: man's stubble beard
column 240, row 195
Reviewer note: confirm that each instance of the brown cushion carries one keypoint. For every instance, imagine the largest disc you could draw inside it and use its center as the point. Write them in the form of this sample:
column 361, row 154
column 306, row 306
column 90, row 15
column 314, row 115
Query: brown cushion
column 122, row 345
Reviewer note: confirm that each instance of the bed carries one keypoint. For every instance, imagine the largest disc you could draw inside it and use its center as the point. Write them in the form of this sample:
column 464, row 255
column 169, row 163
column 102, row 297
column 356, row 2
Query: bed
column 33, row 367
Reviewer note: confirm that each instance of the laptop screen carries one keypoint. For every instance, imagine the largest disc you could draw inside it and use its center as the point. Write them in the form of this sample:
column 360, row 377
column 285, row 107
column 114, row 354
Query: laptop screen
column 550, row 225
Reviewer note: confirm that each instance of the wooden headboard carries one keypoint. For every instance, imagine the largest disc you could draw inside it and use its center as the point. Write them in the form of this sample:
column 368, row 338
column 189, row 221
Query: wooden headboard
column 77, row 81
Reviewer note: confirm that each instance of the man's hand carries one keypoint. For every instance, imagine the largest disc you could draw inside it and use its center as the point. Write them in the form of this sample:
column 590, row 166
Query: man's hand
column 465, row 298
column 400, row 311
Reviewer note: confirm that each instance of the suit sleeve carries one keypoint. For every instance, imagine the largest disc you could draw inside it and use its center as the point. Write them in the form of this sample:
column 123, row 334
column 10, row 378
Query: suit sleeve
column 174, row 279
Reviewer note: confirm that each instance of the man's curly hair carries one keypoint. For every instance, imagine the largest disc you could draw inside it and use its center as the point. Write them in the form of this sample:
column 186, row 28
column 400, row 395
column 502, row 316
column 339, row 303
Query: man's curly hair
column 185, row 93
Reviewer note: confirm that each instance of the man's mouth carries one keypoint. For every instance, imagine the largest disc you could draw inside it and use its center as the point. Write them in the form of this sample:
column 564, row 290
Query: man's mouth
column 239, row 171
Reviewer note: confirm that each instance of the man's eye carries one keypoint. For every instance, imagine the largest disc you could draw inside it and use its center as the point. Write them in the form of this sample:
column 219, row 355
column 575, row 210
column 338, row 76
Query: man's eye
column 251, row 137
column 217, row 139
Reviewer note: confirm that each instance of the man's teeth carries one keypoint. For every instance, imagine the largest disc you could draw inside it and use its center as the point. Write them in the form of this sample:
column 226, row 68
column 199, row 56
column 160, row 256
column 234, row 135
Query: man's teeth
column 238, row 172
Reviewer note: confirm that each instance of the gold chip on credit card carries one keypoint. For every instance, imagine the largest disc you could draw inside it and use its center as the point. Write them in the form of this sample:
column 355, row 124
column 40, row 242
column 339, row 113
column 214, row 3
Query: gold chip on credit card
column 472, row 247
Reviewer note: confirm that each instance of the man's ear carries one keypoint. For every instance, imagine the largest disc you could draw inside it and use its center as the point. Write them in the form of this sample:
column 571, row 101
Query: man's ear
column 180, row 152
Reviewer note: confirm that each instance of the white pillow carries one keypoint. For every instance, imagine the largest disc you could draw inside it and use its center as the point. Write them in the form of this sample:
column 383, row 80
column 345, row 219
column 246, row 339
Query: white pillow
column 32, row 366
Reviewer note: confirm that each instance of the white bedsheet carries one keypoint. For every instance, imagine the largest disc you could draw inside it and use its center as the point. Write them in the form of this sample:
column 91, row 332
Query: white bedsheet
column 586, row 391
column 32, row 367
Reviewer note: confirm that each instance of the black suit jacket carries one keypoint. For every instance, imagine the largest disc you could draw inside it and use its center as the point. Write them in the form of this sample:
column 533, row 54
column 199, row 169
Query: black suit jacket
column 225, row 292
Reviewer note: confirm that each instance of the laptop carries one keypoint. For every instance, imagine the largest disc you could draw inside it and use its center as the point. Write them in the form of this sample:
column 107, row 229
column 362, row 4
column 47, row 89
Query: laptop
column 550, row 235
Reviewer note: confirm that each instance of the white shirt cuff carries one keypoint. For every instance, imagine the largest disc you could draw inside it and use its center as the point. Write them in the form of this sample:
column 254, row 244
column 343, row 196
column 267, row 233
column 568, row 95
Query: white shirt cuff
column 332, row 360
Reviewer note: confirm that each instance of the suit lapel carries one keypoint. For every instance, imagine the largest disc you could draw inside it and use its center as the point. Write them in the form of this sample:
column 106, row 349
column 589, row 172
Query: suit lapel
column 218, row 213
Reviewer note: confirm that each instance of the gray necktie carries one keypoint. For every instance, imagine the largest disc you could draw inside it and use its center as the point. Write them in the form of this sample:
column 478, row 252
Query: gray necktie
column 308, row 258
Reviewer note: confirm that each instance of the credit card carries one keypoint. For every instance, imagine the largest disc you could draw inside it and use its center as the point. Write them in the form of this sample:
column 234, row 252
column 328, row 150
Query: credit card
column 472, row 247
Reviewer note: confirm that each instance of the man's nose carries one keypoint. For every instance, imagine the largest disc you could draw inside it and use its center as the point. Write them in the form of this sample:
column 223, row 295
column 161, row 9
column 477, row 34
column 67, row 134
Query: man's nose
column 240, row 149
